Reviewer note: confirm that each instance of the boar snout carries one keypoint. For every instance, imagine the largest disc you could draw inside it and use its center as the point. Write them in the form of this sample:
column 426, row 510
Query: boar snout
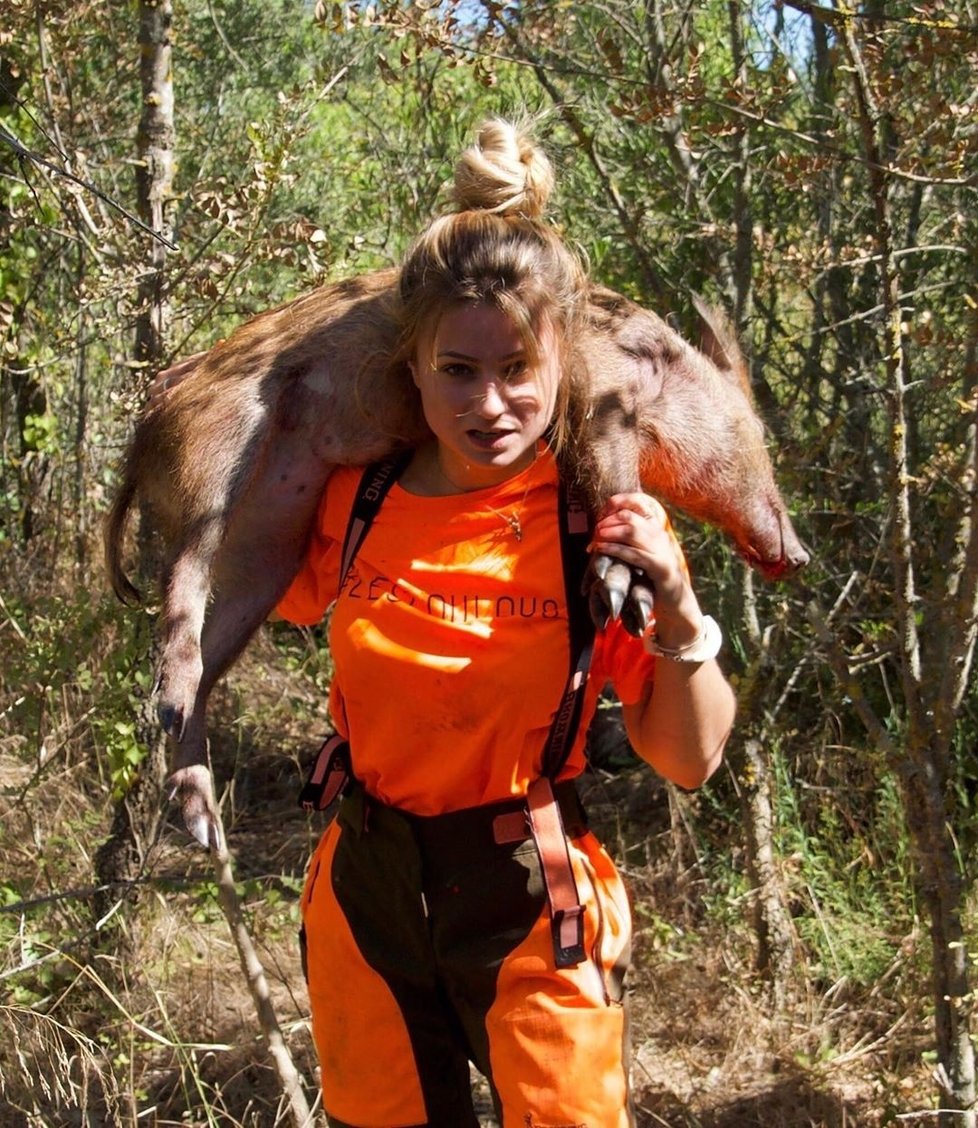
column 778, row 553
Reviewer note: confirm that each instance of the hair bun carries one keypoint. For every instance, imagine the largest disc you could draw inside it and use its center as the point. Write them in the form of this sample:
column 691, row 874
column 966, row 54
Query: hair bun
column 503, row 172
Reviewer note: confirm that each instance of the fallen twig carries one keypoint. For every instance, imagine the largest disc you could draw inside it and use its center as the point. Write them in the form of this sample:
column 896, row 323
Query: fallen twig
column 258, row 985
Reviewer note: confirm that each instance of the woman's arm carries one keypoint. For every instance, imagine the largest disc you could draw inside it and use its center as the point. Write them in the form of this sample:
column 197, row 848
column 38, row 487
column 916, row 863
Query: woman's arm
column 682, row 721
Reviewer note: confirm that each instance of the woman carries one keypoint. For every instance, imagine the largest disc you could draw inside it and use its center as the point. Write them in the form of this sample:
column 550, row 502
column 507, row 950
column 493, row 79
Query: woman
column 433, row 932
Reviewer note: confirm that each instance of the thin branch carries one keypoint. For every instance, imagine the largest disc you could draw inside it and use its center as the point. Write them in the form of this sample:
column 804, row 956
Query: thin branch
column 961, row 621
column 838, row 19
column 23, row 153
column 850, row 683
column 628, row 222
column 257, row 983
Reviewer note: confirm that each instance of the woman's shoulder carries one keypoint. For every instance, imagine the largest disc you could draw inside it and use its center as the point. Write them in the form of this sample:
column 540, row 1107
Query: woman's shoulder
column 344, row 479
column 337, row 500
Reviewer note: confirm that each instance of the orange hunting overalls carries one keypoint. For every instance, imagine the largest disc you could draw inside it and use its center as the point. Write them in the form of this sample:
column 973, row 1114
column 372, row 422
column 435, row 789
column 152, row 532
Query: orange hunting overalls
column 428, row 939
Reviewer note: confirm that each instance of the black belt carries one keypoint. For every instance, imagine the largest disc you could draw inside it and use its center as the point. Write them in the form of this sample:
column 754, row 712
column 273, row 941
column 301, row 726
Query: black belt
column 550, row 814
column 471, row 829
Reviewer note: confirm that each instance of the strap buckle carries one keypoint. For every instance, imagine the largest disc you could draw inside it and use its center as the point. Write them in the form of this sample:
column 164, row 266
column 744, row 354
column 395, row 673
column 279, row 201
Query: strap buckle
column 328, row 776
column 567, row 927
column 550, row 839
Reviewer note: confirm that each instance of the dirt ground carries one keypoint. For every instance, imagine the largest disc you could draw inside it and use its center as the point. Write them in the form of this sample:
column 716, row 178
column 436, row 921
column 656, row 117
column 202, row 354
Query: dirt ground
column 708, row 1048
column 181, row 1044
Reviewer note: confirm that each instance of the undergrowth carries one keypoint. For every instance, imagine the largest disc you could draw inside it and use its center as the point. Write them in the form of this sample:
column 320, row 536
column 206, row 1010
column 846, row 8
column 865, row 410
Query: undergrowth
column 145, row 1017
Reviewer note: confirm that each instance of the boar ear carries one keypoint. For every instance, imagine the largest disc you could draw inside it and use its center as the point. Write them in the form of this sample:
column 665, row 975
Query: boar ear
column 717, row 340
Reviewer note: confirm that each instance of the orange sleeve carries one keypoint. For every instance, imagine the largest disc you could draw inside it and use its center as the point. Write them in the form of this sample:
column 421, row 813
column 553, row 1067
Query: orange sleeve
column 622, row 660
column 316, row 584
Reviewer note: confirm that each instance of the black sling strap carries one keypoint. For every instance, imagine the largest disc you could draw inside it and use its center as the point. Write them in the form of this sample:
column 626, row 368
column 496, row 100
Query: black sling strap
column 331, row 769
column 575, row 533
column 374, row 486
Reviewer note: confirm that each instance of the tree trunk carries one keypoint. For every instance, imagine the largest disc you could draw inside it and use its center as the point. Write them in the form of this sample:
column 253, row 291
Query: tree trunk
column 775, row 939
column 121, row 859
column 772, row 921
column 939, row 883
column 154, row 170
column 922, row 764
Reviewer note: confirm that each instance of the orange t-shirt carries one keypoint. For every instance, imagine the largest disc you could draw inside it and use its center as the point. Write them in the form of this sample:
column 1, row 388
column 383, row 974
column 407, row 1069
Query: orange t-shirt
column 450, row 640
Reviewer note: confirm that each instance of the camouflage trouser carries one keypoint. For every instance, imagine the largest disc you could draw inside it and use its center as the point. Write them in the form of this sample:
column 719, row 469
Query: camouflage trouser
column 428, row 945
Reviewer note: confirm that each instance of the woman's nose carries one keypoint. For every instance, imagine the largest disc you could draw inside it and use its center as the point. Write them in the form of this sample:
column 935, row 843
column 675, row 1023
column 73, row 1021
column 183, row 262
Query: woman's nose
column 490, row 402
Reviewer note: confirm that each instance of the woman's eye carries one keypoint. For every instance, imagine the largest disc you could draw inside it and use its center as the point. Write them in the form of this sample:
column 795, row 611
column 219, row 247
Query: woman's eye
column 517, row 370
column 457, row 370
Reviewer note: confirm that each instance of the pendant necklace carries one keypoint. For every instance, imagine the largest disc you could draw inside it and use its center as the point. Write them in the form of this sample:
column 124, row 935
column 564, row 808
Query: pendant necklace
column 511, row 519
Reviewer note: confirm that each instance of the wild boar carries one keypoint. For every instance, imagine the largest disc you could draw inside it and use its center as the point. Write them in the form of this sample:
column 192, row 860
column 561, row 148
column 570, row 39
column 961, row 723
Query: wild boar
column 236, row 445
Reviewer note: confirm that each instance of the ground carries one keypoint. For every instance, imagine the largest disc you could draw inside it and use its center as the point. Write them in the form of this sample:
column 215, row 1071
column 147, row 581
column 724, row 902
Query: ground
column 709, row 1050
column 159, row 1027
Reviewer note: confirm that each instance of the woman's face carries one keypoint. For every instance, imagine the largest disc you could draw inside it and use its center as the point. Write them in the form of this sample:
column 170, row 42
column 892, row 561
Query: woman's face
column 486, row 403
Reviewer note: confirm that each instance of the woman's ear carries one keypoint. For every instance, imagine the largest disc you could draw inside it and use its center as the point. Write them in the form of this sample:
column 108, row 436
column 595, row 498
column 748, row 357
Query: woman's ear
column 414, row 372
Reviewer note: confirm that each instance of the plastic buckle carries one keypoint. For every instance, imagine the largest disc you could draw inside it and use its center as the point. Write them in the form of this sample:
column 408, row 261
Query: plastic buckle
column 328, row 776
column 567, row 927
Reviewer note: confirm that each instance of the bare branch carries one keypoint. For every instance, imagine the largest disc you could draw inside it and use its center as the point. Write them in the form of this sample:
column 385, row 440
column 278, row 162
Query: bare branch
column 25, row 154
column 258, row 984
column 850, row 683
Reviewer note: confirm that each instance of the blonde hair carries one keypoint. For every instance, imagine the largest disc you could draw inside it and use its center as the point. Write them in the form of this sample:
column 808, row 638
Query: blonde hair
column 497, row 249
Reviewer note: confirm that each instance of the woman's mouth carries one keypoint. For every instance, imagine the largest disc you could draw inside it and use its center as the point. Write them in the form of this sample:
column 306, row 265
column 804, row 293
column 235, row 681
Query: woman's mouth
column 488, row 440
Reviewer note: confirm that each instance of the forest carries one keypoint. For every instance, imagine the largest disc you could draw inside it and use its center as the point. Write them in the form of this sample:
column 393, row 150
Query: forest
column 807, row 923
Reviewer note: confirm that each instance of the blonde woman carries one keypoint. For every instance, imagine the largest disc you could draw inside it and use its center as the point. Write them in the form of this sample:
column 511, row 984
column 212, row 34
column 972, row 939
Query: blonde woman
column 458, row 909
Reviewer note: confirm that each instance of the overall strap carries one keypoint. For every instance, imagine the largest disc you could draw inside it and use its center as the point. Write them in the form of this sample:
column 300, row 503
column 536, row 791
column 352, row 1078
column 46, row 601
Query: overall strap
column 331, row 769
column 543, row 810
column 575, row 535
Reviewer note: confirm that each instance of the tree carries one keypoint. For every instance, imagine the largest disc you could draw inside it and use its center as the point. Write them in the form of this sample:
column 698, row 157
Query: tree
column 138, row 812
column 935, row 610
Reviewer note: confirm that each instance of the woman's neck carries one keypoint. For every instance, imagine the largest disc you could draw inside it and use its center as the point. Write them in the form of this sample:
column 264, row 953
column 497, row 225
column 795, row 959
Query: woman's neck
column 431, row 473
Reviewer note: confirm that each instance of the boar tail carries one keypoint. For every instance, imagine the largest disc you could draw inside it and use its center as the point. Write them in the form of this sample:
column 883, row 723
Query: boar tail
column 113, row 535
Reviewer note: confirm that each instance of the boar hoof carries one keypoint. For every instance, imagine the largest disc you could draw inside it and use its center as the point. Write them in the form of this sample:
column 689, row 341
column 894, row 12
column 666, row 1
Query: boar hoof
column 616, row 591
column 193, row 792
column 637, row 611
column 607, row 584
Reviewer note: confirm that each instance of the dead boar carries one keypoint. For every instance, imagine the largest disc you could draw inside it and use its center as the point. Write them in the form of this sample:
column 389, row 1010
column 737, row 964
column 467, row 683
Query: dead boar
column 233, row 456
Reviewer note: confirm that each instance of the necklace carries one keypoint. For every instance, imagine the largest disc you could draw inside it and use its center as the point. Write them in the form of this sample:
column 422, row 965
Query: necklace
column 511, row 519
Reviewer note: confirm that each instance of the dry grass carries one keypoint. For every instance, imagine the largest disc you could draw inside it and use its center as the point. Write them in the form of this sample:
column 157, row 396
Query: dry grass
column 167, row 1035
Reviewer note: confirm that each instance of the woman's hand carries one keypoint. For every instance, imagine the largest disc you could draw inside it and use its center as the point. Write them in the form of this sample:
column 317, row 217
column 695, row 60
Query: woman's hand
column 634, row 528
column 681, row 722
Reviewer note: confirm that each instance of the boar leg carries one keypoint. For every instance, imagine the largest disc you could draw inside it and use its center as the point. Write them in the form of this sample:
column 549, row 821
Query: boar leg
column 258, row 557
column 609, row 463
column 188, row 589
column 230, row 624
column 232, row 620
